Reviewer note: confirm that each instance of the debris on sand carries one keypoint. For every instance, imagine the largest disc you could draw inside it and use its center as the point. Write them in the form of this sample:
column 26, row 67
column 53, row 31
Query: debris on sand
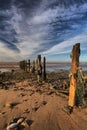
column 12, row 126
column 19, row 123
column 20, row 120
column 11, row 105
column 44, row 102
column 35, row 108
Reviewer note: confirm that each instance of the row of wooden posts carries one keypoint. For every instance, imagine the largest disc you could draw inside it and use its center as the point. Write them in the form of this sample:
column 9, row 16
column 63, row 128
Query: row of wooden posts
column 26, row 66
column 33, row 67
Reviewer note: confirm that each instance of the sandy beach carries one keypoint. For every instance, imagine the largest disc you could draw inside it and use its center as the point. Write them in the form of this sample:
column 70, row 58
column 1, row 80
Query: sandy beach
column 39, row 105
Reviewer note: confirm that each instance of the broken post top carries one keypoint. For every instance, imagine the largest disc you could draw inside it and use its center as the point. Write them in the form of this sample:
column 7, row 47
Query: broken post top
column 29, row 61
column 44, row 62
column 75, row 51
column 44, row 59
column 39, row 59
column 75, row 57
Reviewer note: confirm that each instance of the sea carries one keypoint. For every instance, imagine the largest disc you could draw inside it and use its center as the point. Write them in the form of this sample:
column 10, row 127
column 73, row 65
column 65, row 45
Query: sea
column 50, row 67
column 63, row 66
column 6, row 69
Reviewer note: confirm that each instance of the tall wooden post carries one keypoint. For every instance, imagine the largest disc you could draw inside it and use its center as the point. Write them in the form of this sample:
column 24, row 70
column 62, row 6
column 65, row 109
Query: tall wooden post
column 73, row 78
column 39, row 76
column 44, row 68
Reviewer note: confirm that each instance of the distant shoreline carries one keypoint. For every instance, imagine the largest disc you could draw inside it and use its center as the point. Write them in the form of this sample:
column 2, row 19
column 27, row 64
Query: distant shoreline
column 50, row 66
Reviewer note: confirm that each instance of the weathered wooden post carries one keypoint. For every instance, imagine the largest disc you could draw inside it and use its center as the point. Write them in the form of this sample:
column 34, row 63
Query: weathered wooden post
column 25, row 66
column 36, row 65
column 39, row 71
column 22, row 65
column 73, row 78
column 33, row 66
column 44, row 68
column 29, row 64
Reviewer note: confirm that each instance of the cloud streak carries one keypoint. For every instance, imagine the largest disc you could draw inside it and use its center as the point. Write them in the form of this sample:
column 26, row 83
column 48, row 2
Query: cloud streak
column 65, row 47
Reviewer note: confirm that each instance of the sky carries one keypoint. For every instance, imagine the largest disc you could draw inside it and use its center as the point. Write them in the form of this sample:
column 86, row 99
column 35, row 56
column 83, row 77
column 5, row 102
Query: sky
column 46, row 27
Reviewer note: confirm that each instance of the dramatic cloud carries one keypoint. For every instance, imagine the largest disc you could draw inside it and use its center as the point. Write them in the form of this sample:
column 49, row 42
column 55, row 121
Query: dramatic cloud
column 51, row 28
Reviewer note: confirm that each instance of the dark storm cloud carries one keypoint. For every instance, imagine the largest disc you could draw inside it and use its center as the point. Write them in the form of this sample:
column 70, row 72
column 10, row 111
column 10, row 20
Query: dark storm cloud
column 10, row 45
column 7, row 33
column 29, row 27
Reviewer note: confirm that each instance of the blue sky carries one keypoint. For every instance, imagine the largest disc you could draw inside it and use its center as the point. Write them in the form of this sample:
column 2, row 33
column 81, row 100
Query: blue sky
column 49, row 28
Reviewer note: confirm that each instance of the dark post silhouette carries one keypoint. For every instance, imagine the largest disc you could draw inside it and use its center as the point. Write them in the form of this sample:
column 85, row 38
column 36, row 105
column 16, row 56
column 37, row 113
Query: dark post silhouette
column 37, row 65
column 39, row 71
column 33, row 67
column 25, row 66
column 22, row 65
column 44, row 68
column 29, row 64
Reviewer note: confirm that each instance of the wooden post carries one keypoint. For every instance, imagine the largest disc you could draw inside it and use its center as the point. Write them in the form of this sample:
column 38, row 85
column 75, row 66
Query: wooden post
column 33, row 66
column 36, row 65
column 22, row 65
column 73, row 78
column 25, row 66
column 39, row 76
column 29, row 64
column 44, row 69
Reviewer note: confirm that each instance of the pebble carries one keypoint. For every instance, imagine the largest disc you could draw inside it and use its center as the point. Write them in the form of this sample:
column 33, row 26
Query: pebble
column 8, row 105
column 44, row 102
column 20, row 120
column 35, row 108
column 12, row 126
column 25, row 124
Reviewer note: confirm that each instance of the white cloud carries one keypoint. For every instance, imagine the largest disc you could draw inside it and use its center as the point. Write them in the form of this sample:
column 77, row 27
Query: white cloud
column 49, row 15
column 7, row 54
column 66, row 46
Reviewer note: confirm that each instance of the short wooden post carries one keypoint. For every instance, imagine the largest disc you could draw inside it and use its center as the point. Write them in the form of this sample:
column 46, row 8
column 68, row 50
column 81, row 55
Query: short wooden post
column 39, row 71
column 36, row 64
column 44, row 68
column 33, row 66
column 25, row 66
column 73, row 78
column 22, row 65
column 29, row 64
